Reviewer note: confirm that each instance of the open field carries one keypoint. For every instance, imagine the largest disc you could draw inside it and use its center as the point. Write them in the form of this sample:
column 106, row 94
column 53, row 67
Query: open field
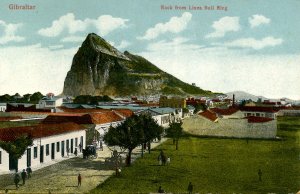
column 218, row 165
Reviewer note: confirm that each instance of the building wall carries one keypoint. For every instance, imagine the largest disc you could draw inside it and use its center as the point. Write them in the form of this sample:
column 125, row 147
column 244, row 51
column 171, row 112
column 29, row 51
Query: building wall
column 260, row 114
column 4, row 160
column 162, row 120
column 172, row 102
column 35, row 161
column 50, row 103
column 239, row 128
column 2, row 108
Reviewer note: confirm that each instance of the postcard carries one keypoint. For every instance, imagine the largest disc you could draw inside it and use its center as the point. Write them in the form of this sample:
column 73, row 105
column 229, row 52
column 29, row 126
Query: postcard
column 229, row 68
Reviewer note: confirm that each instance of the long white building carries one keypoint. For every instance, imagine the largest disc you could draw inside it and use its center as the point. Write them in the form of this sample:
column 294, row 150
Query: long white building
column 51, row 143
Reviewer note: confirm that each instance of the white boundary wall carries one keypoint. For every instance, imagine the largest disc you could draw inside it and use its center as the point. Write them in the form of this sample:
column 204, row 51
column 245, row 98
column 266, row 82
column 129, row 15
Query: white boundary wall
column 239, row 128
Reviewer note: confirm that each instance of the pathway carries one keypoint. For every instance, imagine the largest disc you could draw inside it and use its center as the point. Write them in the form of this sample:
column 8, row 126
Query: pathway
column 62, row 177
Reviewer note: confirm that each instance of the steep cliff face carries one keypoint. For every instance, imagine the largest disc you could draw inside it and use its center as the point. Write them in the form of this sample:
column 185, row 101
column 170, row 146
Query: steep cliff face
column 100, row 69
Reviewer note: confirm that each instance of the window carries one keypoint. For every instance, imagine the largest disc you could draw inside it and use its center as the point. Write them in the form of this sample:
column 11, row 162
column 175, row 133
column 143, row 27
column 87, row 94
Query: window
column 0, row 157
column 257, row 114
column 47, row 149
column 57, row 146
column 35, row 152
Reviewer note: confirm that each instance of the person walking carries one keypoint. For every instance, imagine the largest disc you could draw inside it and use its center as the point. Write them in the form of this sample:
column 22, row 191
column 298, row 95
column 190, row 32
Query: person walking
column 160, row 190
column 75, row 152
column 190, row 188
column 23, row 175
column 79, row 180
column 29, row 171
column 80, row 147
column 17, row 179
column 101, row 145
column 259, row 174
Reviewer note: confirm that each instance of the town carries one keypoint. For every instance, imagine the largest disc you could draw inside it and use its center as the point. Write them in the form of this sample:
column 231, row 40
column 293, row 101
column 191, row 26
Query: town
column 62, row 128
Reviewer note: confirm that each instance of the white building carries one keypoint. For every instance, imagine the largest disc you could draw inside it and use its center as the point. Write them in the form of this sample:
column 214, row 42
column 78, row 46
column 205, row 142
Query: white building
column 2, row 107
column 164, row 116
column 51, row 143
column 50, row 102
column 257, row 111
column 100, row 120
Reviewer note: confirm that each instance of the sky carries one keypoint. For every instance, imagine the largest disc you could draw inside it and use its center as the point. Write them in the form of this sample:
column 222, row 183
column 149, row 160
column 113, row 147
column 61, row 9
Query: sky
column 222, row 46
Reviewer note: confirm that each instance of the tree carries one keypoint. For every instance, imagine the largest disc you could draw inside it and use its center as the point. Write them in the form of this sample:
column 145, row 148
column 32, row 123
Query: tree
column 133, row 132
column 199, row 107
column 6, row 98
column 36, row 97
column 127, row 135
column 243, row 103
column 151, row 130
column 26, row 97
column 175, row 131
column 17, row 147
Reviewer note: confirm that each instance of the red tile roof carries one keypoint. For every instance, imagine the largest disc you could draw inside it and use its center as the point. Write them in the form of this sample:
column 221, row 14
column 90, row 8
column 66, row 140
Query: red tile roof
column 270, row 103
column 124, row 112
column 209, row 115
column 228, row 111
column 101, row 118
column 38, row 131
column 91, row 118
column 253, row 119
column 259, row 109
column 63, row 118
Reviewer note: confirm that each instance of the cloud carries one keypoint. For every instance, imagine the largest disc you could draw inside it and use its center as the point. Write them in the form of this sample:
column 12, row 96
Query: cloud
column 73, row 39
column 104, row 24
column 257, row 20
column 174, row 25
column 35, row 69
column 224, row 70
column 253, row 43
column 224, row 25
column 124, row 44
column 178, row 43
column 9, row 31
column 54, row 47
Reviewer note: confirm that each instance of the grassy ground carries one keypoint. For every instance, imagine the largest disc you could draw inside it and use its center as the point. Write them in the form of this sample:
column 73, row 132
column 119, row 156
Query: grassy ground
column 218, row 166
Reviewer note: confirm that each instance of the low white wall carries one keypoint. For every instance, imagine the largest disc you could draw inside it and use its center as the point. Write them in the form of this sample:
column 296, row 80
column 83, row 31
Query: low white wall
column 239, row 128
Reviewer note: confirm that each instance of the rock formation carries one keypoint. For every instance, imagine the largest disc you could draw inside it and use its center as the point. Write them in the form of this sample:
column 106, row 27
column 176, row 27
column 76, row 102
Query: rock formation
column 100, row 69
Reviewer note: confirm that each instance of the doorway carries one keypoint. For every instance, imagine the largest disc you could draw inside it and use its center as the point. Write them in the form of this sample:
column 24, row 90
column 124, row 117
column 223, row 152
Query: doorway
column 41, row 154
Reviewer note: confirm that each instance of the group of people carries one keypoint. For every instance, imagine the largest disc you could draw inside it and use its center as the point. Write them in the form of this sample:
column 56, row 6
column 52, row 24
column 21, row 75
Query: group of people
column 24, row 174
column 190, row 189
